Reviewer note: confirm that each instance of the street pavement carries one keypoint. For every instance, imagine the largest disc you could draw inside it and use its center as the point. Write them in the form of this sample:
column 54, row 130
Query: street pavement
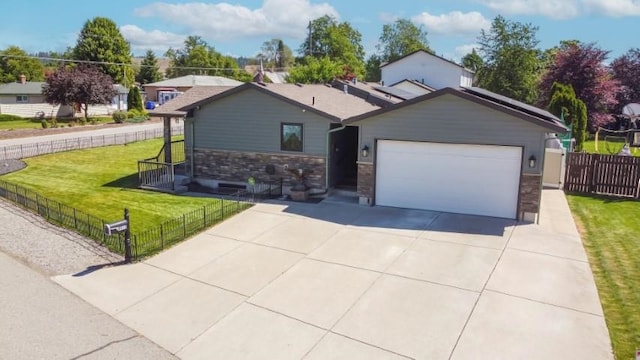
column 72, row 135
column 41, row 320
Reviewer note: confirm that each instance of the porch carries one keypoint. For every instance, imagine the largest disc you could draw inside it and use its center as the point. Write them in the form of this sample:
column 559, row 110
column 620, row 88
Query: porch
column 166, row 171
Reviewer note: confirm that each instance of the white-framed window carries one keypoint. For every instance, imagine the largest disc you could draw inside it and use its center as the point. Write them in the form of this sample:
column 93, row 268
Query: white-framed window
column 22, row 98
column 291, row 137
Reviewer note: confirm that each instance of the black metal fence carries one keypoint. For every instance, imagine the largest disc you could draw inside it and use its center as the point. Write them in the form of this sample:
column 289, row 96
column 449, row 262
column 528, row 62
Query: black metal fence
column 48, row 147
column 146, row 242
column 61, row 214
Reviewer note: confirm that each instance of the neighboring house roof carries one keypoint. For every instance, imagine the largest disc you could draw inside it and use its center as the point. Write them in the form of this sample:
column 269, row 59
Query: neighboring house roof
column 367, row 90
column 121, row 89
column 321, row 99
column 483, row 97
column 195, row 80
column 17, row 88
column 395, row 92
column 277, row 77
column 191, row 96
column 416, row 83
column 427, row 53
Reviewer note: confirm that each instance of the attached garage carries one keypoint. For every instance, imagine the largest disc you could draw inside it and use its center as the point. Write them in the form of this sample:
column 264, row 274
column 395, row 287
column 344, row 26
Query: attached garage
column 458, row 178
column 463, row 150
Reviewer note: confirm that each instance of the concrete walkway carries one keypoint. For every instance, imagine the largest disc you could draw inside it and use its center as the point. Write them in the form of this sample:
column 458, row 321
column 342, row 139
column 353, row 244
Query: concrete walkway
column 339, row 281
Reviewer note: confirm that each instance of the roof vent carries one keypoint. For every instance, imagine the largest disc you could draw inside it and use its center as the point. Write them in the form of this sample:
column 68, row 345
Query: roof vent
column 299, row 84
column 345, row 88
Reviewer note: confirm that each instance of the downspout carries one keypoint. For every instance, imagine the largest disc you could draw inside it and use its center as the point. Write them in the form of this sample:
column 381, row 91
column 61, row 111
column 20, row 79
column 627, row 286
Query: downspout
column 192, row 126
column 328, row 163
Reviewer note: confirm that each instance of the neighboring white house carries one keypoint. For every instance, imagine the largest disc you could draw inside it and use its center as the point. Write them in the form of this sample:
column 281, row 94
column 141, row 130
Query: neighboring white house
column 425, row 68
column 24, row 98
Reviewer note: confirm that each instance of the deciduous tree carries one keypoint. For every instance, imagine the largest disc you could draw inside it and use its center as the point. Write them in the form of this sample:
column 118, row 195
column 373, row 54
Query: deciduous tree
column 511, row 59
column 315, row 71
column 149, row 70
column 626, row 69
column 340, row 42
column 13, row 63
column 83, row 84
column 198, row 58
column 401, row 38
column 582, row 66
column 100, row 40
column 275, row 54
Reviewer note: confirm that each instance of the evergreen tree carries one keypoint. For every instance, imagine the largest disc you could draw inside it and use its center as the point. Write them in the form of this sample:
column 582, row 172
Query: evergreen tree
column 134, row 99
column 149, row 70
column 101, row 40
column 564, row 103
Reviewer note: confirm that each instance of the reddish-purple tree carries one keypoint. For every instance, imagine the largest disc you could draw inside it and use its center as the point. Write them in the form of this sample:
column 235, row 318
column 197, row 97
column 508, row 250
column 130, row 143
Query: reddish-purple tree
column 82, row 84
column 582, row 66
column 626, row 69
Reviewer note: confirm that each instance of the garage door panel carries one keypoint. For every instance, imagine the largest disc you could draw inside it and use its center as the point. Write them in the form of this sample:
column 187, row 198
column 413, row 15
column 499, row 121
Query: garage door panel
column 470, row 179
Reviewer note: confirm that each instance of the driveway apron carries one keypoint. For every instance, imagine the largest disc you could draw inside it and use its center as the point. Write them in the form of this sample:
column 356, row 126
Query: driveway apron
column 342, row 281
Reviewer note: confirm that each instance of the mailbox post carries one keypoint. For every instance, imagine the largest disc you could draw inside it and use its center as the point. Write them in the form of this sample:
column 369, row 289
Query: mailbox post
column 118, row 227
column 127, row 238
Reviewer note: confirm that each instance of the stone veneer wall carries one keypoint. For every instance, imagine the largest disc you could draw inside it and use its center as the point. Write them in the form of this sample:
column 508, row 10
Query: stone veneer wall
column 236, row 166
column 530, row 188
column 365, row 180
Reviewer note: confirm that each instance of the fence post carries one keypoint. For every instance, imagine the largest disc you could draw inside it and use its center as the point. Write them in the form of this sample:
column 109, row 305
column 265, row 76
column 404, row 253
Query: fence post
column 21, row 152
column 204, row 215
column 184, row 225
column 60, row 212
column 75, row 219
column 162, row 236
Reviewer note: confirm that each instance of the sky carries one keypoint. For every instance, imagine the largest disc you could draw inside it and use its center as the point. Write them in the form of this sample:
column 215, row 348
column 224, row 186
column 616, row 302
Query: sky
column 239, row 27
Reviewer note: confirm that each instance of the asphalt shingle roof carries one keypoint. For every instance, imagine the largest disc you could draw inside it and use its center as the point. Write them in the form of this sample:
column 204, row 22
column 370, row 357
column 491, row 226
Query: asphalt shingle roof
column 196, row 80
column 16, row 88
column 191, row 96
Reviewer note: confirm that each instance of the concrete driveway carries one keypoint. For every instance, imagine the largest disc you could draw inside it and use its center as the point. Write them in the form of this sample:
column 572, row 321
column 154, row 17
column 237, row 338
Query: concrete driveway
column 339, row 281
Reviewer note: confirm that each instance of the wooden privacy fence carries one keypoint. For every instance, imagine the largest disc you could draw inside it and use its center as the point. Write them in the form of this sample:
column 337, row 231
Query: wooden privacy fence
column 603, row 174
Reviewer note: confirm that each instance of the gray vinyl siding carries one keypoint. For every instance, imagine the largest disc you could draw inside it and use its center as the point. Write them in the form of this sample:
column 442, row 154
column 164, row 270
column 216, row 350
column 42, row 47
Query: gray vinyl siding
column 449, row 119
column 250, row 121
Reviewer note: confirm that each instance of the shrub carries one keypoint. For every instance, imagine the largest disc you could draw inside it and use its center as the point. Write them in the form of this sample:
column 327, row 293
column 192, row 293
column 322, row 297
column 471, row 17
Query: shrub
column 8, row 117
column 54, row 123
column 119, row 116
column 134, row 100
column 136, row 113
column 44, row 123
column 82, row 121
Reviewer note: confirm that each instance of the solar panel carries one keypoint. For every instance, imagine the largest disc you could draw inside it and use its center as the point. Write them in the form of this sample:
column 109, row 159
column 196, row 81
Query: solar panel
column 402, row 94
column 515, row 104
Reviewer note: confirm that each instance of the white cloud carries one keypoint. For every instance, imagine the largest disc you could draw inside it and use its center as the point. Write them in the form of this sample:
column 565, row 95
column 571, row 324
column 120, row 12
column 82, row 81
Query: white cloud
column 556, row 9
column 465, row 49
column 223, row 21
column 453, row 23
column 614, row 8
column 156, row 40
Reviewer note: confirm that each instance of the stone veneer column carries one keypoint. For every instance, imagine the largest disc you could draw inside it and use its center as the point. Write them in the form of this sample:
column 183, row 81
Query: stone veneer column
column 530, row 188
column 365, row 182
column 237, row 166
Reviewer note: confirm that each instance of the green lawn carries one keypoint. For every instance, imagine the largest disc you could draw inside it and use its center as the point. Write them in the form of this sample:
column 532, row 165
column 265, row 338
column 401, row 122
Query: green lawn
column 606, row 148
column 610, row 230
column 102, row 182
column 26, row 123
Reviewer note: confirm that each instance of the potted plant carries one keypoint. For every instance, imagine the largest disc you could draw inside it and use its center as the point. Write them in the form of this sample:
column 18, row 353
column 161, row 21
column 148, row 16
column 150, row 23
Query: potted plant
column 300, row 189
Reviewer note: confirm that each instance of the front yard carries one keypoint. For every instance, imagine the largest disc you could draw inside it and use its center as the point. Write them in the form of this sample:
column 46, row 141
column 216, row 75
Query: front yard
column 610, row 231
column 102, row 182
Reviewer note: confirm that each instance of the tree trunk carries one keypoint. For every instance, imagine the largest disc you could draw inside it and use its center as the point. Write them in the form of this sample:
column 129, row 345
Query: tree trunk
column 86, row 111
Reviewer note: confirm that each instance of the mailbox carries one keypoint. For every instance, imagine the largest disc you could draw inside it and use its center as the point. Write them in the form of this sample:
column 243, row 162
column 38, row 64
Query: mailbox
column 116, row 227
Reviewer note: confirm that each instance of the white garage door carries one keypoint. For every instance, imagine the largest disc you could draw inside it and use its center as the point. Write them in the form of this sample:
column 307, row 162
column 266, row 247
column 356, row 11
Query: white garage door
column 458, row 178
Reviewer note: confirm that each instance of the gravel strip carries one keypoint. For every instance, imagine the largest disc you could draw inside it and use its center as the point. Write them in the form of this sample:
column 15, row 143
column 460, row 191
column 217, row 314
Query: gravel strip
column 7, row 166
column 46, row 247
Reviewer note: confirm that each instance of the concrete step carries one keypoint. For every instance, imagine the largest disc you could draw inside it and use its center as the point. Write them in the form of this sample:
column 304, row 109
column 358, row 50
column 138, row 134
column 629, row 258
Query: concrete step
column 179, row 189
column 182, row 179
